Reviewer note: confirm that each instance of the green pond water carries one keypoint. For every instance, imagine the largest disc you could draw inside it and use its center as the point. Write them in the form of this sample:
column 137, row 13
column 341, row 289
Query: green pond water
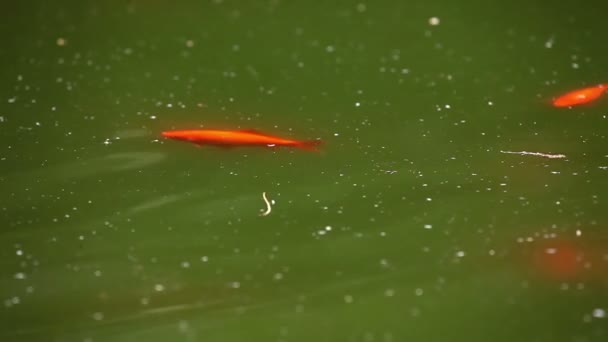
column 410, row 224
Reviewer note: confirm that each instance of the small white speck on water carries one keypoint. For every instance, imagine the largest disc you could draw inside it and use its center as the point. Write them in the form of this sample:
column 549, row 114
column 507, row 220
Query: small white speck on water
column 159, row 287
column 152, row 117
column 278, row 276
column 204, row 258
column 20, row 275
column 460, row 254
column 185, row 264
column 599, row 313
column 389, row 292
column 434, row 21
column 419, row 292
column 357, row 104
column 428, row 226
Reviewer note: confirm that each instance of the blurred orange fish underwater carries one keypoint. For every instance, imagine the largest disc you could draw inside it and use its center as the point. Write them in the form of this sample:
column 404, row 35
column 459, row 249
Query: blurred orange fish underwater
column 580, row 96
column 234, row 138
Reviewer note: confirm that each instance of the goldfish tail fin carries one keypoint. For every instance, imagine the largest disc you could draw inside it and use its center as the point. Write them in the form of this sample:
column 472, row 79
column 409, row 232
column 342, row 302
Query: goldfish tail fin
column 310, row 145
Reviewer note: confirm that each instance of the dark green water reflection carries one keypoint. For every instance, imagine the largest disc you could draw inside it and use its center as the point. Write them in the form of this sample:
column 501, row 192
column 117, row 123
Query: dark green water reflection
column 409, row 225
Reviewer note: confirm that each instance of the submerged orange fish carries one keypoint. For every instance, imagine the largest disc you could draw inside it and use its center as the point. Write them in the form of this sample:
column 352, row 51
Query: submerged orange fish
column 226, row 138
column 580, row 96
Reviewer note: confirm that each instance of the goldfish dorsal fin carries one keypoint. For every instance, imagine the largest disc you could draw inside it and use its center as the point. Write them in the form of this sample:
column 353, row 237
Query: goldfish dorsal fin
column 253, row 131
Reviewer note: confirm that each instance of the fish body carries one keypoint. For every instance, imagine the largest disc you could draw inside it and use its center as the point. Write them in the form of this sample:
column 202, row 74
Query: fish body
column 229, row 138
column 580, row 96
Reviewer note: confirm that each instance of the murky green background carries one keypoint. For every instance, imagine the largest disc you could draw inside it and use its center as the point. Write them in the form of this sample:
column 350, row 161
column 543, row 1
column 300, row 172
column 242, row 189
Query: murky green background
column 409, row 225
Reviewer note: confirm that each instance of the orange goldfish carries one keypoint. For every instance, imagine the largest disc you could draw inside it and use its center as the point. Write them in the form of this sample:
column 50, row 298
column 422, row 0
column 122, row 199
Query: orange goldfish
column 580, row 96
column 227, row 138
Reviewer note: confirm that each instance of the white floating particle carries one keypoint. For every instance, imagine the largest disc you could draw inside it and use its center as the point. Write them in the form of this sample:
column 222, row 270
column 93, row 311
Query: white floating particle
column 579, row 232
column 428, row 226
column 419, row 292
column 20, row 275
column 389, row 292
column 159, row 287
column 460, row 254
column 599, row 313
column 434, row 21
column 185, row 264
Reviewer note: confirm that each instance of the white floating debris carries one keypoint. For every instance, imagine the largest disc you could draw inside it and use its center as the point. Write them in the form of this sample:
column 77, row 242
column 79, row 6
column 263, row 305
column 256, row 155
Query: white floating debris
column 268, row 205
column 599, row 313
column 537, row 154
column 434, row 21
